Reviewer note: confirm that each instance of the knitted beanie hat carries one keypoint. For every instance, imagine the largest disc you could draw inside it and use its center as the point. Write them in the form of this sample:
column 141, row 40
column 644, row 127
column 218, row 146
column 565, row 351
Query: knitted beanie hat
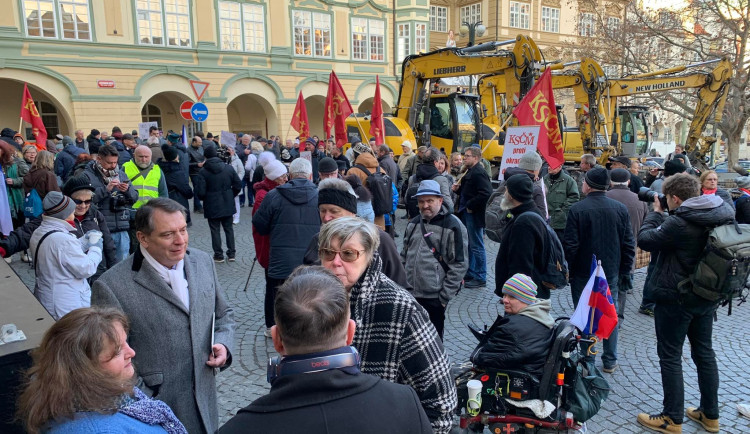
column 520, row 187
column 530, row 161
column 521, row 287
column 274, row 169
column 598, row 178
column 742, row 181
column 57, row 205
column 337, row 192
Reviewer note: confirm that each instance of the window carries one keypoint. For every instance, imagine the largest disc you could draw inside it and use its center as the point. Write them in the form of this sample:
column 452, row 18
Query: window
column 471, row 13
column 420, row 38
column 236, row 20
column 152, row 16
column 368, row 39
column 550, row 19
column 42, row 19
column 613, row 23
column 438, row 19
column 312, row 34
column 151, row 113
column 519, row 15
column 402, row 42
column 586, row 26
column 48, row 112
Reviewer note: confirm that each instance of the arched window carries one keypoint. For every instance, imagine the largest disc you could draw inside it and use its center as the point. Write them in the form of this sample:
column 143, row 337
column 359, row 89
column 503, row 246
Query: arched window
column 49, row 118
column 151, row 113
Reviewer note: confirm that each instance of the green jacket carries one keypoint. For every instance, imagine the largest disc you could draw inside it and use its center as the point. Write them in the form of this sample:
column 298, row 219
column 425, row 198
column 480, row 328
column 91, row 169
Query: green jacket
column 562, row 193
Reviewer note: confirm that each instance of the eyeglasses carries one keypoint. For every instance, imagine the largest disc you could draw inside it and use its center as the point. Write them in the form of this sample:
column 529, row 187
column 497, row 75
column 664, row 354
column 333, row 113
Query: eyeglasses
column 346, row 255
column 84, row 202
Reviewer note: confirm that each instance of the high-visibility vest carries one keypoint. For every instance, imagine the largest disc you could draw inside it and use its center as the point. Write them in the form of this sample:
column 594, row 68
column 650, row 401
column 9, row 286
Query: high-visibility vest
column 147, row 186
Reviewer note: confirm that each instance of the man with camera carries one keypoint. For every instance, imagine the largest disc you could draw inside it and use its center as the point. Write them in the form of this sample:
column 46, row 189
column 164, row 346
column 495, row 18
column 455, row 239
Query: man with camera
column 679, row 238
column 316, row 383
column 113, row 196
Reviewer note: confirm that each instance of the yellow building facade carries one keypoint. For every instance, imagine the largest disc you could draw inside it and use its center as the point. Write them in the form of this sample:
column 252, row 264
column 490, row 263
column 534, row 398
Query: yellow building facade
column 100, row 63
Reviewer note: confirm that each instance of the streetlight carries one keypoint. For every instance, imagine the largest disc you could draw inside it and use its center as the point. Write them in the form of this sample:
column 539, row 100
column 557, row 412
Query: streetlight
column 473, row 30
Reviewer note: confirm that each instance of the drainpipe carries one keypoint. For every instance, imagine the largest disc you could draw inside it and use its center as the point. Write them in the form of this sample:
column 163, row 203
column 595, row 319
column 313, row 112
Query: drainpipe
column 497, row 19
column 395, row 39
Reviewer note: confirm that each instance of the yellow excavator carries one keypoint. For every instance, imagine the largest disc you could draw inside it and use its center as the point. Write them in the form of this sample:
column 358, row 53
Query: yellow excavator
column 606, row 127
column 451, row 121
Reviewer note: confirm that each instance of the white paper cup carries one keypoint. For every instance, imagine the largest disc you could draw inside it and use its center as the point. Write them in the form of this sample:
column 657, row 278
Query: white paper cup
column 475, row 395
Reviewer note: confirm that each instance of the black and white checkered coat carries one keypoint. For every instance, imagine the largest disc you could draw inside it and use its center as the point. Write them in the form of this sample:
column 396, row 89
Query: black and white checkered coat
column 397, row 342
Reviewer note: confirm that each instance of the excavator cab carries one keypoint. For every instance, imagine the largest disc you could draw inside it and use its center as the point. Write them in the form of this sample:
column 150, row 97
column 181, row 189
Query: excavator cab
column 634, row 135
column 451, row 115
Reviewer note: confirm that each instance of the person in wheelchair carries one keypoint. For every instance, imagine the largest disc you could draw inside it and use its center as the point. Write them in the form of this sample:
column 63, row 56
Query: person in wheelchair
column 522, row 338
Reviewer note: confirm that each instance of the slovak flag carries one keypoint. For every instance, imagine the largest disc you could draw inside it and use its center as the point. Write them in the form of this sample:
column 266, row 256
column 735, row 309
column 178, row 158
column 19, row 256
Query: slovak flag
column 596, row 313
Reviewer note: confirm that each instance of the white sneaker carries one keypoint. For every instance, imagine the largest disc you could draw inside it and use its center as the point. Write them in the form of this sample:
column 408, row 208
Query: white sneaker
column 9, row 259
column 25, row 258
column 267, row 332
column 744, row 409
column 236, row 222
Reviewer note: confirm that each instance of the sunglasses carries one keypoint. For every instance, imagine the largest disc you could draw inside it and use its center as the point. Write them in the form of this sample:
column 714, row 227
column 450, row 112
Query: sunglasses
column 346, row 255
column 79, row 202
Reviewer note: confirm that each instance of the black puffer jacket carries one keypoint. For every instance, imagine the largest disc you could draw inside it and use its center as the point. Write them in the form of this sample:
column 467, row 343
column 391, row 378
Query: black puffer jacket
column 599, row 226
column 521, row 341
column 474, row 191
column 289, row 213
column 115, row 205
column 743, row 209
column 94, row 220
column 18, row 239
column 521, row 248
column 176, row 178
column 679, row 240
column 216, row 185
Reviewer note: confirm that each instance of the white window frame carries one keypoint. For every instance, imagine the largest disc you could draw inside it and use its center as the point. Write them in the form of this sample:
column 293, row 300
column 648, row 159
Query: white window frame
column 372, row 33
column 315, row 20
column 403, row 41
column 439, row 19
column 613, row 24
column 58, row 18
column 470, row 13
column 165, row 18
column 245, row 27
column 420, row 37
column 519, row 16
column 586, row 24
column 550, row 19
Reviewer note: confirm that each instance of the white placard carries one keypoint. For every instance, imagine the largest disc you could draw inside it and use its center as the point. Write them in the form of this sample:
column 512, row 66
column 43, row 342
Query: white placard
column 307, row 155
column 518, row 141
column 228, row 138
column 143, row 129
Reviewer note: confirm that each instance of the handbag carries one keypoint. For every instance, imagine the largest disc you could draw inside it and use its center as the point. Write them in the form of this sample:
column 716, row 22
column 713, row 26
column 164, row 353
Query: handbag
column 589, row 390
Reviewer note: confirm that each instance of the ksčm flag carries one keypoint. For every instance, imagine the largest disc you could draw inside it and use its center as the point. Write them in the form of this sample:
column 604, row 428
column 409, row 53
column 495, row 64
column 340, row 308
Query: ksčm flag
column 30, row 114
column 377, row 125
column 299, row 119
column 337, row 109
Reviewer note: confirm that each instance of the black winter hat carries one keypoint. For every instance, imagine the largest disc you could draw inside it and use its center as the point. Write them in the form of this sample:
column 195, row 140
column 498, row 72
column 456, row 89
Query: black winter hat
column 340, row 198
column 210, row 152
column 620, row 175
column 520, row 187
column 673, row 167
column 170, row 153
column 76, row 183
column 327, row 165
column 598, row 178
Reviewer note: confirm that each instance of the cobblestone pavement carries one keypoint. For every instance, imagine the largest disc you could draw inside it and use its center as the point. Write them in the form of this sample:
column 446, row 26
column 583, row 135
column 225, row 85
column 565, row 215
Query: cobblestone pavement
column 636, row 385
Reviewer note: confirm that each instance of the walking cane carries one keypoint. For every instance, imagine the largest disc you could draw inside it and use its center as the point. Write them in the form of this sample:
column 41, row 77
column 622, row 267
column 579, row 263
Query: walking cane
column 251, row 273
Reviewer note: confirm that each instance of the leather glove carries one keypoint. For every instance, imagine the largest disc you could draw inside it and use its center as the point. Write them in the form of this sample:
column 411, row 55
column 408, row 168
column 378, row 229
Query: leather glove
column 625, row 282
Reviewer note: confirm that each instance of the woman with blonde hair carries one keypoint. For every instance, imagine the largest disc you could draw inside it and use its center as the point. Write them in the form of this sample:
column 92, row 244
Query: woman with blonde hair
column 41, row 176
column 83, row 380
column 710, row 185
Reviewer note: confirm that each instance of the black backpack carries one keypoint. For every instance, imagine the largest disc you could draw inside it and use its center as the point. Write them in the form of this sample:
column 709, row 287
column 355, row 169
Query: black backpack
column 495, row 219
column 379, row 185
column 554, row 273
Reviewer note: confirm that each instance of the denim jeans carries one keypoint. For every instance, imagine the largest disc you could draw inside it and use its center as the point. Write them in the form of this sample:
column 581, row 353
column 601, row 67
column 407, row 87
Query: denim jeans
column 609, row 356
column 241, row 196
column 673, row 322
column 122, row 245
column 477, row 257
column 215, row 226
column 196, row 202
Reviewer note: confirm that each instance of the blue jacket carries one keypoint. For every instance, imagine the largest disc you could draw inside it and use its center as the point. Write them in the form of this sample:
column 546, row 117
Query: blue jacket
column 92, row 422
column 66, row 160
column 289, row 213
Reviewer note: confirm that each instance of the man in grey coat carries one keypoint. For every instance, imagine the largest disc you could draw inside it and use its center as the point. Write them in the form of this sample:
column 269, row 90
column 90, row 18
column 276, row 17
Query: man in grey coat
column 435, row 282
column 180, row 324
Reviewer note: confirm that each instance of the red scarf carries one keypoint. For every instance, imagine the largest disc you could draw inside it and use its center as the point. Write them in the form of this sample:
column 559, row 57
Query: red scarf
column 707, row 191
column 746, row 191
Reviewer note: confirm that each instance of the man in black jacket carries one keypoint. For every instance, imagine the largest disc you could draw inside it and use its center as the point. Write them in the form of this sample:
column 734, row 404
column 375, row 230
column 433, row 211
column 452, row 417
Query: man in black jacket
column 217, row 185
column 624, row 163
column 679, row 240
column 317, row 382
column 289, row 214
column 524, row 237
column 599, row 226
column 473, row 190
column 520, row 339
column 197, row 160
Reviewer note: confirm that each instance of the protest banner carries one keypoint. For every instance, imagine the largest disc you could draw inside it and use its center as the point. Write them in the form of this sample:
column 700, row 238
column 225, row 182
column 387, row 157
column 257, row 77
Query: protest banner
column 518, row 141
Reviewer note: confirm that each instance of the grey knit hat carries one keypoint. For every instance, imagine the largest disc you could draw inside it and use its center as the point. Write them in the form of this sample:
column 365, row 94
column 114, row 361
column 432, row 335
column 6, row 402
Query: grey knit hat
column 57, row 205
column 530, row 161
column 743, row 181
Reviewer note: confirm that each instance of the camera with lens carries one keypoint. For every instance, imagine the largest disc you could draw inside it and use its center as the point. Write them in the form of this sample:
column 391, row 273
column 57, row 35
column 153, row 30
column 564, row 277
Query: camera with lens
column 223, row 154
column 645, row 194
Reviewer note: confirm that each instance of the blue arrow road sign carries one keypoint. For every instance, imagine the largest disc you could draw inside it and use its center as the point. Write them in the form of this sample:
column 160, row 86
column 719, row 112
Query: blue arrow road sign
column 199, row 112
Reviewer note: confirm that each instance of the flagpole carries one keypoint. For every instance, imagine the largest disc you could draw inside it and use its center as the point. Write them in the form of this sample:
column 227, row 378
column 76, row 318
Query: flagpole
column 361, row 128
column 502, row 127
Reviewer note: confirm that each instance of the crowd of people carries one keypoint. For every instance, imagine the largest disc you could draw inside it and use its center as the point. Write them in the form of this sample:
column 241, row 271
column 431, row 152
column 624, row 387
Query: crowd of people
column 110, row 250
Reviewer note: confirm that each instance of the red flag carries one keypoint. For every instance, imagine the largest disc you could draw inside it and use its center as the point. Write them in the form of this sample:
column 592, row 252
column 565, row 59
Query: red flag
column 377, row 127
column 30, row 114
column 337, row 109
column 538, row 108
column 299, row 119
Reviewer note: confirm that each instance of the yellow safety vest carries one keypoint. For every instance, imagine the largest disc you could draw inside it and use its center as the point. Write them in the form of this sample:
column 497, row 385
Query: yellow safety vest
column 147, row 186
